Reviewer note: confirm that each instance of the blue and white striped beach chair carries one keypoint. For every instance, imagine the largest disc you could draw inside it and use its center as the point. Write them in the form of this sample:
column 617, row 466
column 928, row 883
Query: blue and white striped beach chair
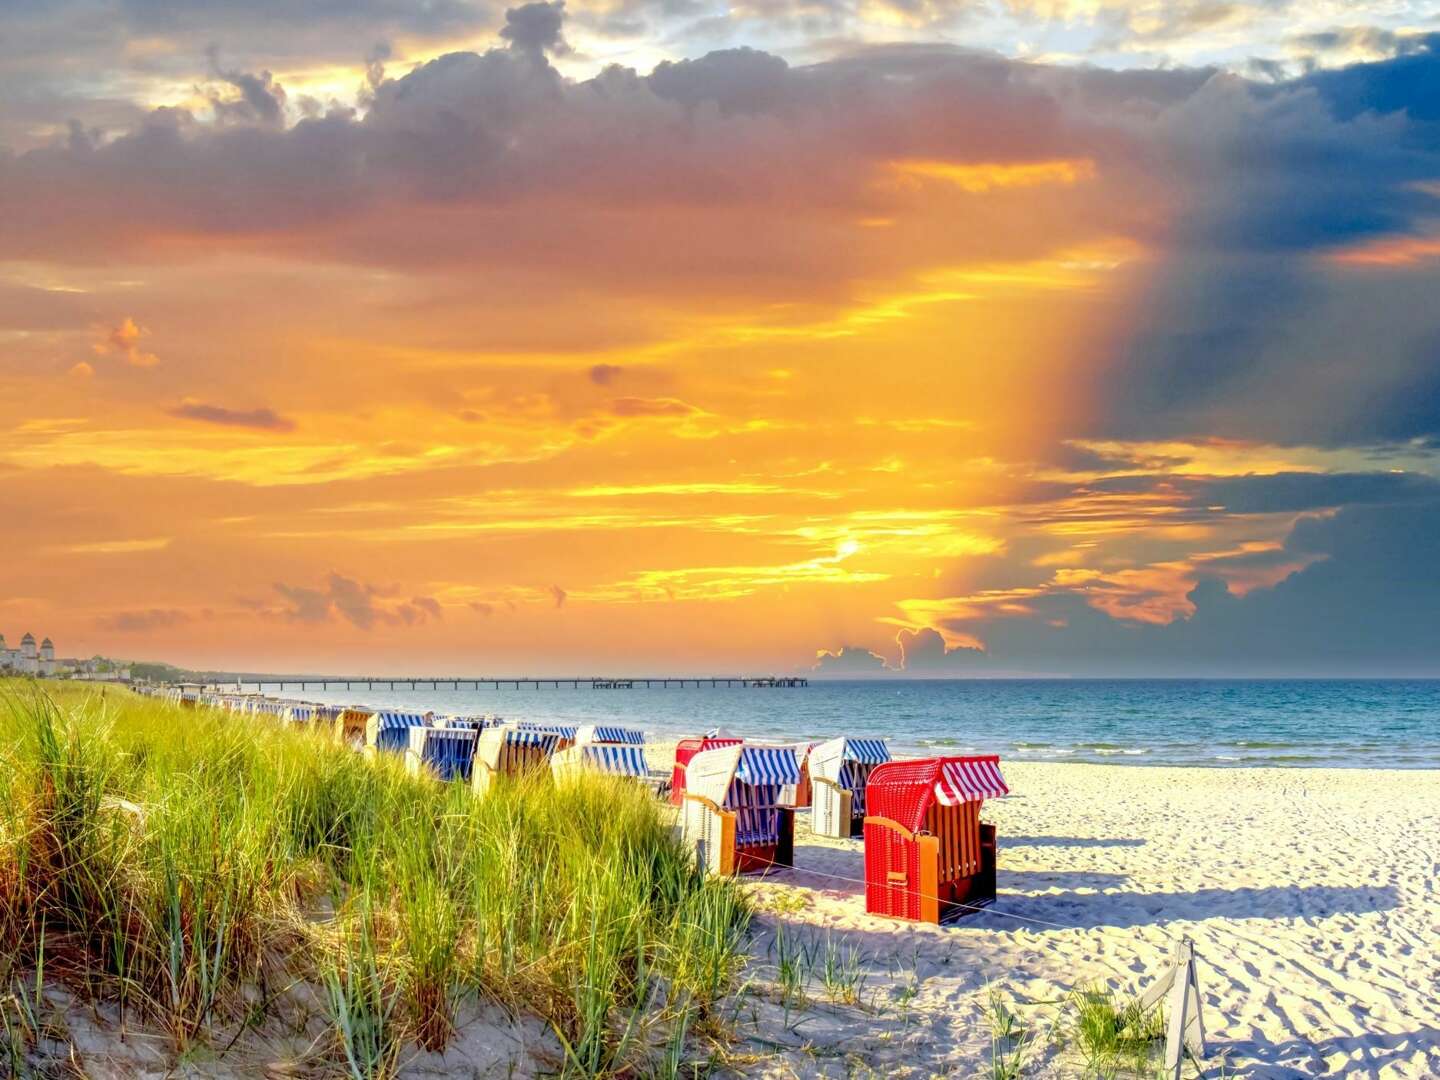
column 731, row 812
column 612, row 759
column 510, row 750
column 389, row 732
column 839, row 773
column 444, row 752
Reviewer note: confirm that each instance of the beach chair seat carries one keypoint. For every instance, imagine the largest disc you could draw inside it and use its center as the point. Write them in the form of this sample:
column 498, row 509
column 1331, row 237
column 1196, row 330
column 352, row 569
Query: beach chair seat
column 928, row 856
column 731, row 813
column 350, row 726
column 446, row 753
column 839, row 774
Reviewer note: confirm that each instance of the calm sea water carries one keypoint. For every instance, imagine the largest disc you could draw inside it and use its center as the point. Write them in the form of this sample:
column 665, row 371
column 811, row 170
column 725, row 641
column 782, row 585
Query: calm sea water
column 1379, row 723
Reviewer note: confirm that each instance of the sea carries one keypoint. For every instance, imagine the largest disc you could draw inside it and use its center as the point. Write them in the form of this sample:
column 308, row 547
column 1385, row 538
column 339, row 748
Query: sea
column 1197, row 722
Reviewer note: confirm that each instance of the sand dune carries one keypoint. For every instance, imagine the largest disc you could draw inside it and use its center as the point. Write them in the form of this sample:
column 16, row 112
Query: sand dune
column 1310, row 896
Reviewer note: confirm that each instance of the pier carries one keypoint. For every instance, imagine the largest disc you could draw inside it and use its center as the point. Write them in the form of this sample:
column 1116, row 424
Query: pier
column 591, row 682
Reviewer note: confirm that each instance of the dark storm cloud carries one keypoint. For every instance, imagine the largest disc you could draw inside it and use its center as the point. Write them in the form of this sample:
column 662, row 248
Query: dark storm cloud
column 1239, row 191
column 1366, row 601
column 1241, row 316
column 534, row 29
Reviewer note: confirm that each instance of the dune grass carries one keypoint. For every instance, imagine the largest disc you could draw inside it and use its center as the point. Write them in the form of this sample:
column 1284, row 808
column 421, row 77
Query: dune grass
column 191, row 866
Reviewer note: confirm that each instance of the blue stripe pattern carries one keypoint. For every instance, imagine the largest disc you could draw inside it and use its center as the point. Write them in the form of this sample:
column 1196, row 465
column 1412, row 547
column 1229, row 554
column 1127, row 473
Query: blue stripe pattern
column 390, row 721
column 757, row 821
column 449, row 752
column 524, row 737
column 303, row 713
column 565, row 731
column 767, row 765
column 868, row 751
column 607, row 733
column 615, row 759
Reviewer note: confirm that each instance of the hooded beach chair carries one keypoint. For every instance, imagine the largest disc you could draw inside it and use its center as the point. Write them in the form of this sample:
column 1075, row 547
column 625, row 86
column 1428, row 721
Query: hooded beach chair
column 685, row 751
column 839, row 774
column 446, row 752
column 731, row 813
column 610, row 758
column 510, row 750
column 928, row 856
column 389, row 732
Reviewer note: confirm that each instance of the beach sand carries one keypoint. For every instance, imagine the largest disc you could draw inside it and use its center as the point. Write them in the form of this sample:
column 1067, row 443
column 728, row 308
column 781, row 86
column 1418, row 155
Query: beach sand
column 1310, row 895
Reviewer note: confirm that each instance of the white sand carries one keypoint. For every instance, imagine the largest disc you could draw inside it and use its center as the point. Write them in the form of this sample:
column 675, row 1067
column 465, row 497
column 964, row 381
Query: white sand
column 1311, row 896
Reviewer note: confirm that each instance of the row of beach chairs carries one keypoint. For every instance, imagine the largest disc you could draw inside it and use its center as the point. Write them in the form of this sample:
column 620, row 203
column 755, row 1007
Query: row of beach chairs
column 928, row 855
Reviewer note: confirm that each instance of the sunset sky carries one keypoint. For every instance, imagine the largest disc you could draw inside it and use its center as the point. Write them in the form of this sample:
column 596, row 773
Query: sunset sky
column 939, row 337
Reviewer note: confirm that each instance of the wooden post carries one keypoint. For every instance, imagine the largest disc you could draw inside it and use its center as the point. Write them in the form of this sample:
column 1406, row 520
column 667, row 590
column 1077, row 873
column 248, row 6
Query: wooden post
column 1187, row 1025
column 928, row 884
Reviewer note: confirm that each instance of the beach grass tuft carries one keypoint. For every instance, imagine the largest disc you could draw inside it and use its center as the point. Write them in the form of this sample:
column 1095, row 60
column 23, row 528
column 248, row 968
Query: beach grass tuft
column 187, row 865
column 1115, row 1039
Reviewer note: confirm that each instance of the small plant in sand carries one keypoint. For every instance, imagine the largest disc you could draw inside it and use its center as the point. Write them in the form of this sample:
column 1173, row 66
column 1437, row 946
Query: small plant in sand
column 842, row 971
column 1115, row 1039
column 1011, row 1040
column 792, row 966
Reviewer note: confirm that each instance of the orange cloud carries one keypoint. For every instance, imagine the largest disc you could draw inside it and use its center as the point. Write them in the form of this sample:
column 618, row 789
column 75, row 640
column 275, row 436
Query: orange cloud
column 123, row 341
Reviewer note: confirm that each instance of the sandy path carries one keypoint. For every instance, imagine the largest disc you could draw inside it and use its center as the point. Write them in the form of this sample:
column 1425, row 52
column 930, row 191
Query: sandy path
column 1311, row 896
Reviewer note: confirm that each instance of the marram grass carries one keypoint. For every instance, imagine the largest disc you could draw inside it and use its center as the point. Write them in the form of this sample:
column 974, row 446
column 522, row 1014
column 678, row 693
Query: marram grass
column 187, row 864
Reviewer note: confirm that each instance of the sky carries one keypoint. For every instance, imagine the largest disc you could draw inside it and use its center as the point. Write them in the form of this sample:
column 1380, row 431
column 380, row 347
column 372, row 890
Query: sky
column 855, row 337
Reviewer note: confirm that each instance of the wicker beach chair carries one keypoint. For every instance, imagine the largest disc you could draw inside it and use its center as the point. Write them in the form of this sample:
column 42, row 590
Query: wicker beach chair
column 928, row 856
column 839, row 776
column 731, row 813
column 510, row 750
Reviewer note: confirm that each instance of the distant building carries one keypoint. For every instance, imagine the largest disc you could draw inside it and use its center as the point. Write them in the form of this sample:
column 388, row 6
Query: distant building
column 29, row 658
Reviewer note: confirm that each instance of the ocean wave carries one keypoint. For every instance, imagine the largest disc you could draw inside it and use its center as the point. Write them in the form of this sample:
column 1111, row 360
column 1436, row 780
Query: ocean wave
column 1128, row 751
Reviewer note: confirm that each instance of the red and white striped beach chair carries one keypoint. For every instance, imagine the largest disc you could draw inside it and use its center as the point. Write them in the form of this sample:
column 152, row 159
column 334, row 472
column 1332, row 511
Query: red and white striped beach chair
column 928, row 856
column 731, row 813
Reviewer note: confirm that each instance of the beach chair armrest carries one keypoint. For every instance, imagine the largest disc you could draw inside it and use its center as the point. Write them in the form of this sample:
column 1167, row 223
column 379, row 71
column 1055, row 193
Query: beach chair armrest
column 887, row 823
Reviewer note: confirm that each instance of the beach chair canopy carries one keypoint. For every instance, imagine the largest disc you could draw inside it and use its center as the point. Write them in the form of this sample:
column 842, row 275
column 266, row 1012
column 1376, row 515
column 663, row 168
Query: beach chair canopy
column 565, row 731
column 613, row 759
column 828, row 760
column 471, row 723
column 392, row 721
column 903, row 791
column 610, row 733
column 302, row 714
column 967, row 780
column 711, row 772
